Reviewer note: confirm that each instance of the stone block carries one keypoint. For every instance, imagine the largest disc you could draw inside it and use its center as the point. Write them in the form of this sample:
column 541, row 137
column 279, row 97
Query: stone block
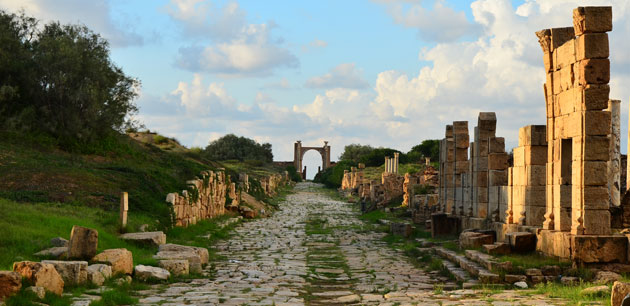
column 535, row 215
column 83, row 243
column 597, row 123
column 592, row 45
column 10, row 284
column 56, row 252
column 564, row 55
column 487, row 121
column 595, row 148
column 593, row 71
column 59, row 242
column 595, row 97
column 497, row 161
column 595, row 173
column 592, row 19
column 144, row 273
column 121, row 260
column 499, row 248
column 474, row 240
column 521, row 242
column 496, row 145
column 594, row 197
column 41, row 275
column 462, row 141
column 401, row 229
column 519, row 156
column 444, row 225
column 481, row 179
column 596, row 221
column 460, row 127
column 146, row 238
column 536, row 175
column 72, row 272
column 98, row 273
column 176, row 267
column 599, row 249
column 532, row 135
column 619, row 292
column 535, row 155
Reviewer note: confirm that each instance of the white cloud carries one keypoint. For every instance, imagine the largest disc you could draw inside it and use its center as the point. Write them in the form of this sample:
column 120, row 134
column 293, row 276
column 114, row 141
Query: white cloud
column 439, row 24
column 96, row 14
column 225, row 43
column 315, row 44
column 342, row 76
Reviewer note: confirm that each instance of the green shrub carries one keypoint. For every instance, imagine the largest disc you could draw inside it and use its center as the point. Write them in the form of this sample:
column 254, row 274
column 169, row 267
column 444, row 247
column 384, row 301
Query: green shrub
column 293, row 174
column 333, row 176
column 231, row 147
column 159, row 139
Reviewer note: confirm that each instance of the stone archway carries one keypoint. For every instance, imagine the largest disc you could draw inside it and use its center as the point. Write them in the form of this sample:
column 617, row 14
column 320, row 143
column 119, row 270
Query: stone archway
column 298, row 155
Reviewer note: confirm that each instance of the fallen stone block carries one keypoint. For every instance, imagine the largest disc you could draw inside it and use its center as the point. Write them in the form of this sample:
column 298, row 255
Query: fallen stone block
column 474, row 240
column 551, row 270
column 499, row 248
column 72, row 272
column 55, row 252
column 247, row 212
column 401, row 229
column 194, row 260
column 144, row 273
column 40, row 274
column 521, row 285
column 98, row 273
column 596, row 290
column 176, row 266
column 569, row 280
column 619, row 292
column 10, row 283
column 83, row 243
column 121, row 260
column 606, row 277
column 511, row 278
column 202, row 252
column 59, row 242
column 146, row 238
column 521, row 242
column 599, row 249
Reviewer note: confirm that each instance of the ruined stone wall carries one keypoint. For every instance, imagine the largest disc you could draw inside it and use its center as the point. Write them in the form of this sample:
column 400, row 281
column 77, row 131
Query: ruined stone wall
column 578, row 126
column 422, row 206
column 527, row 178
column 208, row 196
column 410, row 181
column 352, row 179
column 460, row 184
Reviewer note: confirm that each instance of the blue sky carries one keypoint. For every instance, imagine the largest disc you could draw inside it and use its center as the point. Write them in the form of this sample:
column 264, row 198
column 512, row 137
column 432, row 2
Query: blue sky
column 382, row 72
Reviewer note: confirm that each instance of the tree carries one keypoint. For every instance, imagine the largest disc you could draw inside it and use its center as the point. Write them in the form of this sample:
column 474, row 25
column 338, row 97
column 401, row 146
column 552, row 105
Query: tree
column 428, row 148
column 377, row 157
column 231, row 146
column 354, row 152
column 59, row 79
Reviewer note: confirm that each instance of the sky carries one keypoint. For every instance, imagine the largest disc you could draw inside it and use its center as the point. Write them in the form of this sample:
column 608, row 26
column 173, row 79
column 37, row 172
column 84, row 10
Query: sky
column 385, row 73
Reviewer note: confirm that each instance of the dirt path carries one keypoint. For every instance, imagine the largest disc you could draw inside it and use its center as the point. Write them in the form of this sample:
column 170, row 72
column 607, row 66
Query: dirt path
column 315, row 251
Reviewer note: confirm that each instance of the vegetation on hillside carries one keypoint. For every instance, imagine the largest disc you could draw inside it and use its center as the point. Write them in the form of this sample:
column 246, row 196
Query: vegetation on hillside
column 59, row 80
column 240, row 148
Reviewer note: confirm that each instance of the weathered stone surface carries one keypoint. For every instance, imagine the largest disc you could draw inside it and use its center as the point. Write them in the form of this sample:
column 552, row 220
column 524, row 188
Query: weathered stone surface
column 521, row 242
column 121, row 260
column 522, row 285
column 144, row 273
column 72, row 272
column 595, row 290
column 40, row 292
column 401, row 229
column 98, row 273
column 176, row 266
column 499, row 248
column 83, row 243
column 10, row 283
column 592, row 249
column 40, row 274
column 619, row 292
column 194, row 260
column 202, row 252
column 473, row 240
column 247, row 212
column 55, row 252
column 569, row 280
column 606, row 277
column 59, row 242
column 551, row 270
column 147, row 238
column 511, row 278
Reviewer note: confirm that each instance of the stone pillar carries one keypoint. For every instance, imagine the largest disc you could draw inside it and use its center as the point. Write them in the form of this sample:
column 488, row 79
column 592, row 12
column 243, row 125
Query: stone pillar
column 386, row 164
column 427, row 161
column 446, row 169
column 297, row 156
column 124, row 207
column 526, row 206
column 486, row 129
column 614, row 164
column 395, row 170
column 460, row 168
column 578, row 125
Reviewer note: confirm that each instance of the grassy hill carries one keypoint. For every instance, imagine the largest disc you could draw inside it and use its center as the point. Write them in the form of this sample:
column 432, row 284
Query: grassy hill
column 45, row 190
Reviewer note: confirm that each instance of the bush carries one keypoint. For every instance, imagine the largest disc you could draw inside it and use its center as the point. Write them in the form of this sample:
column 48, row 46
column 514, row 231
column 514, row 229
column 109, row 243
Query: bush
column 333, row 176
column 159, row 139
column 428, row 148
column 293, row 174
column 59, row 80
column 238, row 148
column 377, row 157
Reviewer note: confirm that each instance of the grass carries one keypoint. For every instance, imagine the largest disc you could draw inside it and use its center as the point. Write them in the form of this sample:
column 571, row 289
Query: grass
column 571, row 293
column 28, row 227
column 522, row 262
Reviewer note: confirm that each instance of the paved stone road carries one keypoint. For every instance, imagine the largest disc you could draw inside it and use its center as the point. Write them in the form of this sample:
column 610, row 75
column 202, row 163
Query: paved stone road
column 315, row 251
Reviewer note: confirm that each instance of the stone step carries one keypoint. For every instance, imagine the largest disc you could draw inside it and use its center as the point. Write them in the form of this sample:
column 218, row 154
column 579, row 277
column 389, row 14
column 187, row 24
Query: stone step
column 472, row 267
column 488, row 261
column 460, row 274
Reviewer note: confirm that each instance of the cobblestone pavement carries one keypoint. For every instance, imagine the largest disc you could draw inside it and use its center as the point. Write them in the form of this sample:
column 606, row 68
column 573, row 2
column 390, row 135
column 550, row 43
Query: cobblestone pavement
column 315, row 251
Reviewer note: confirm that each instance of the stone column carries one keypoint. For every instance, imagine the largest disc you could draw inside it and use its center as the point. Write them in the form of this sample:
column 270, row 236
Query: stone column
column 461, row 141
column 614, row 164
column 427, row 161
column 124, row 207
column 386, row 164
column 395, row 170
